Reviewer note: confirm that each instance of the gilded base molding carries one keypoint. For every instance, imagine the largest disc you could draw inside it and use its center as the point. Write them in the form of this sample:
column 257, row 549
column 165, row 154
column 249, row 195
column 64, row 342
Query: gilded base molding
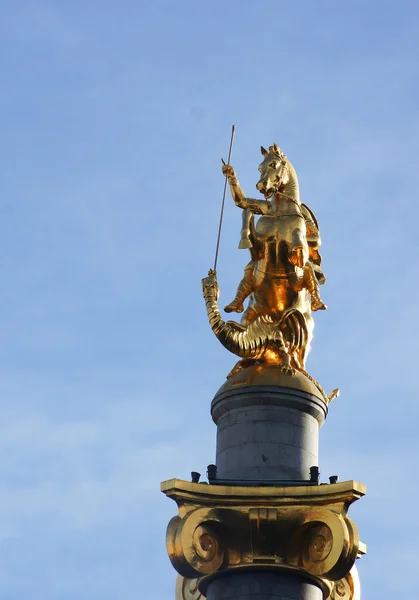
column 302, row 529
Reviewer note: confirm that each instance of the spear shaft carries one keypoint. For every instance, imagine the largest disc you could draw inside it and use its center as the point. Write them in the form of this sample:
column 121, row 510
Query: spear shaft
column 222, row 204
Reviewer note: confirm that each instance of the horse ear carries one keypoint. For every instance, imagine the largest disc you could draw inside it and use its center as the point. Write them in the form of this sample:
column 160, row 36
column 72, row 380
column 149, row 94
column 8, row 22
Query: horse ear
column 276, row 147
column 263, row 151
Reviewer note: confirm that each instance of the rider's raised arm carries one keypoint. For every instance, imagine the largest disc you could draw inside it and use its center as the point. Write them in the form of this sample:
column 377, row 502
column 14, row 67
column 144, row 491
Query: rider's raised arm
column 259, row 207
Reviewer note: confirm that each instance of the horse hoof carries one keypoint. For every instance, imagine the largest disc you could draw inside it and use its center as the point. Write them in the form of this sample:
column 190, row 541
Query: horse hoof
column 234, row 307
column 243, row 244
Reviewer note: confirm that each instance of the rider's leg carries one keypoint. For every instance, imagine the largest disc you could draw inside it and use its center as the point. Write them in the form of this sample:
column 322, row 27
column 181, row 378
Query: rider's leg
column 245, row 241
column 298, row 250
column 312, row 286
column 244, row 290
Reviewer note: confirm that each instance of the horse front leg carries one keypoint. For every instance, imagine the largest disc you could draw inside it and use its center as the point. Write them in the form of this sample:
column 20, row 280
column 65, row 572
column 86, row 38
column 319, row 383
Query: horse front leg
column 298, row 249
column 245, row 241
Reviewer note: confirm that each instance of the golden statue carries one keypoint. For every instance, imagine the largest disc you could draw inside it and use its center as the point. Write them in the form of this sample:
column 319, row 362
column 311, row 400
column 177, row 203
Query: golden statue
column 283, row 277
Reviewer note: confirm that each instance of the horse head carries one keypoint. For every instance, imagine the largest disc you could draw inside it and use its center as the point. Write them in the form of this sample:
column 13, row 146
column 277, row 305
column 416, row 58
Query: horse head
column 274, row 171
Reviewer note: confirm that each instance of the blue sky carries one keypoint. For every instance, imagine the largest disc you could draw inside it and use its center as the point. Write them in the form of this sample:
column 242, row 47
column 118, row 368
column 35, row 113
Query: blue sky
column 114, row 117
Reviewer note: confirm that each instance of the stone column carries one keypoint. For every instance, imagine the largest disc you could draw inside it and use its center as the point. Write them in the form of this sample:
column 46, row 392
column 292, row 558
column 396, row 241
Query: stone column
column 262, row 586
column 267, row 429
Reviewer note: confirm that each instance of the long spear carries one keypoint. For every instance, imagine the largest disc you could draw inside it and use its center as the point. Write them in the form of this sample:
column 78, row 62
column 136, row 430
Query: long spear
column 224, row 197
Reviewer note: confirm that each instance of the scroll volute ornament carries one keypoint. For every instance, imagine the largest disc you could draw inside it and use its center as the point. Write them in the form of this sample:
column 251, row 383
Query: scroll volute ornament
column 194, row 544
column 187, row 589
column 326, row 545
column 341, row 590
column 347, row 588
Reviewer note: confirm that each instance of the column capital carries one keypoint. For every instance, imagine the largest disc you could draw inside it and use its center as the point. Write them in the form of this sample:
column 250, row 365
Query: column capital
column 304, row 530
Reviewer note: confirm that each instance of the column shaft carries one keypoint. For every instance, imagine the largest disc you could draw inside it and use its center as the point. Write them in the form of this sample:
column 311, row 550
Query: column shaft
column 262, row 586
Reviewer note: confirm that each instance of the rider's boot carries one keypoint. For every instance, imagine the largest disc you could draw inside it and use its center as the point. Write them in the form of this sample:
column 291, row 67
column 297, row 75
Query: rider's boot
column 317, row 303
column 312, row 286
column 243, row 291
column 245, row 241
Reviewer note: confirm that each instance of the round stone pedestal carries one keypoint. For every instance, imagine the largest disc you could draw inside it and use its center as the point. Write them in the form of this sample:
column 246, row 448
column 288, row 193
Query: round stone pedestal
column 267, row 425
column 260, row 585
